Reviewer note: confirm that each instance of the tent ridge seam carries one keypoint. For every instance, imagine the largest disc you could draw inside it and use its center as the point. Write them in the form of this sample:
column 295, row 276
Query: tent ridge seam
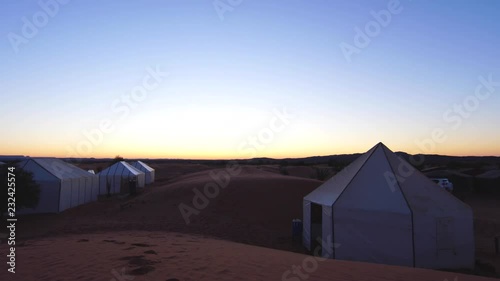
column 407, row 204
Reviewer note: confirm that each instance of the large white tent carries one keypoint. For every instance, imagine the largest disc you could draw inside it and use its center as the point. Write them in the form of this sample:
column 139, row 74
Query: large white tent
column 62, row 185
column 117, row 176
column 380, row 209
column 147, row 170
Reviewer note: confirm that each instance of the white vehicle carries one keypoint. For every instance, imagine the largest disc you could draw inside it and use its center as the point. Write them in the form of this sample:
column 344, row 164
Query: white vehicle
column 444, row 183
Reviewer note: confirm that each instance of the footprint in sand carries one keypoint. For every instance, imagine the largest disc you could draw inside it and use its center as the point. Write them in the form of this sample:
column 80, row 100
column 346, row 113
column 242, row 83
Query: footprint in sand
column 83, row 240
column 143, row 265
column 141, row 270
column 114, row 241
column 128, row 258
column 141, row 245
column 150, row 252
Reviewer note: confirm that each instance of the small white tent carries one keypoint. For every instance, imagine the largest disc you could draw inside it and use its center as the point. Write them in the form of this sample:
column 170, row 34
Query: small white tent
column 380, row 209
column 62, row 185
column 147, row 170
column 117, row 176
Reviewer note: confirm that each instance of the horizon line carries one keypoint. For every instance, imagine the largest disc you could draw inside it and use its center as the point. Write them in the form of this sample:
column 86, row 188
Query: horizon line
column 240, row 159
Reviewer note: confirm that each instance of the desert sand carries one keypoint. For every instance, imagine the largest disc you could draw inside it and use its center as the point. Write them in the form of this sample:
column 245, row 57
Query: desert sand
column 143, row 256
column 243, row 233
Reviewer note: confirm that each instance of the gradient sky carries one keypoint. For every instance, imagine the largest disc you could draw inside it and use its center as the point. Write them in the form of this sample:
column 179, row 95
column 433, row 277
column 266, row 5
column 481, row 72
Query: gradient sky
column 228, row 77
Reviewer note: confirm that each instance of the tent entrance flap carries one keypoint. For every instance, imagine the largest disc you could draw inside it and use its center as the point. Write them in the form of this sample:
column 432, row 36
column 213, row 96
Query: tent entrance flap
column 316, row 227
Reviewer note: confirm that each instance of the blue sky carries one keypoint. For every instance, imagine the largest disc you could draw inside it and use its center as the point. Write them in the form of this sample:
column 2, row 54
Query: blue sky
column 227, row 77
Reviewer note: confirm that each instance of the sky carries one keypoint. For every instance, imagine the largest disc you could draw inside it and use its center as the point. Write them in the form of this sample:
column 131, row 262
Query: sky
column 229, row 79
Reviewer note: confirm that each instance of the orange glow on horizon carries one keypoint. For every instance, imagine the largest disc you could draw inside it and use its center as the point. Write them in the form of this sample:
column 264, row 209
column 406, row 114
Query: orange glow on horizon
column 310, row 151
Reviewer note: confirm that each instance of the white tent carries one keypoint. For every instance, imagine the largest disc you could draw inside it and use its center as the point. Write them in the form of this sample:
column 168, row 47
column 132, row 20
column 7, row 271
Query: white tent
column 380, row 209
column 148, row 171
column 62, row 185
column 118, row 176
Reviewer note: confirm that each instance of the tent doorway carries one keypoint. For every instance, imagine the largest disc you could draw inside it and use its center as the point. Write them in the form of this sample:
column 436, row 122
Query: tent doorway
column 316, row 228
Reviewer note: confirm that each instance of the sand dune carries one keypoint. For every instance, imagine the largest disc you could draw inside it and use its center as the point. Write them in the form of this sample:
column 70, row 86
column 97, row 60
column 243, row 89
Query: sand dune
column 143, row 256
column 255, row 208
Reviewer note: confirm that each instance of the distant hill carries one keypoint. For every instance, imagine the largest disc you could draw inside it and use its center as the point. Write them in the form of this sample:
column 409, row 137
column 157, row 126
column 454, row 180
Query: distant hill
column 11, row 158
column 340, row 160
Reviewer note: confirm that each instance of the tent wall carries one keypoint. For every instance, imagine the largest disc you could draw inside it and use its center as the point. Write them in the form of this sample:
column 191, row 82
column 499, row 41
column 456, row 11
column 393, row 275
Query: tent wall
column 88, row 189
column 388, row 212
column 370, row 189
column 377, row 237
column 445, row 242
column 325, row 230
column 115, row 182
column 327, row 233
column 141, row 180
column 372, row 220
column 48, row 201
column 306, row 224
column 148, row 171
column 91, row 188
column 443, row 225
column 149, row 177
column 152, row 176
column 316, row 228
column 116, row 175
column 75, row 191
column 65, row 198
column 62, row 185
column 39, row 173
column 81, row 191
column 95, row 188
column 49, row 189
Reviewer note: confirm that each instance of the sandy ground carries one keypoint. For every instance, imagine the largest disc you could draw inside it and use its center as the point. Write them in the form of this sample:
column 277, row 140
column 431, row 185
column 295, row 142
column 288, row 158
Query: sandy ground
column 148, row 256
column 256, row 208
